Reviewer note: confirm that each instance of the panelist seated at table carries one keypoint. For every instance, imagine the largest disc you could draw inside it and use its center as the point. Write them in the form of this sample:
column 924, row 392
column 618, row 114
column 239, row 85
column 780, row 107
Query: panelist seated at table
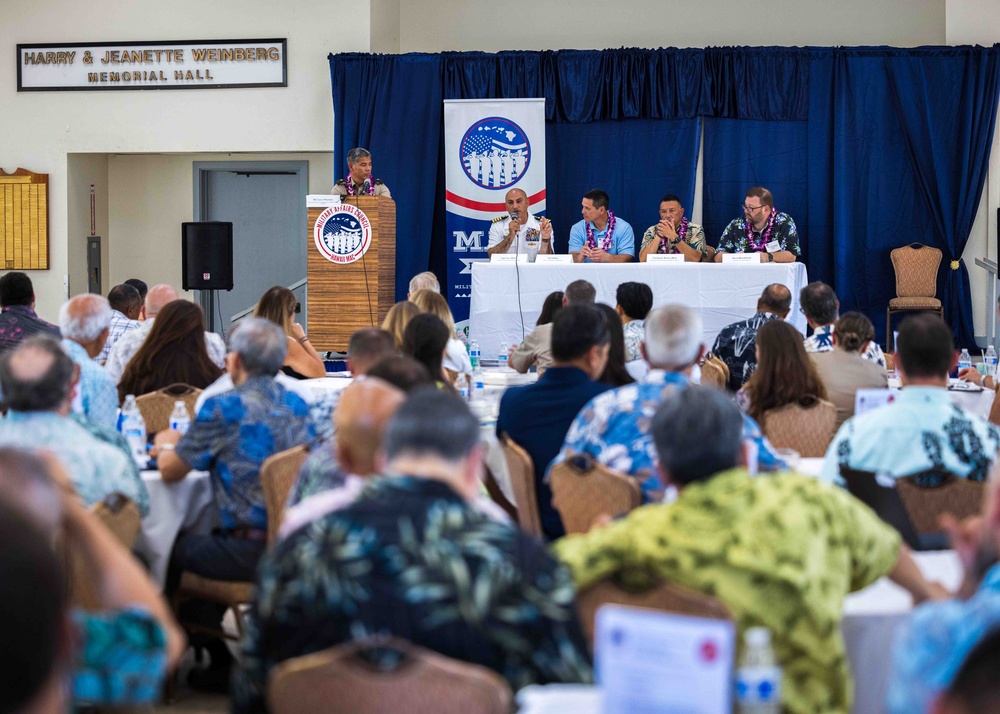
column 674, row 234
column 761, row 230
column 601, row 237
column 518, row 222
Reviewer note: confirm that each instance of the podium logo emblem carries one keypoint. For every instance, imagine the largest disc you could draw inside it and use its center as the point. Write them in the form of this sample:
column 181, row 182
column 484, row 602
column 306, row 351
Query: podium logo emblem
column 495, row 153
column 342, row 233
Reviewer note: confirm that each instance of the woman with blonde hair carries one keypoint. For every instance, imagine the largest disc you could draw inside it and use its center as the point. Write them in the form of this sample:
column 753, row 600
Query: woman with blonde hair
column 303, row 361
column 456, row 358
column 398, row 318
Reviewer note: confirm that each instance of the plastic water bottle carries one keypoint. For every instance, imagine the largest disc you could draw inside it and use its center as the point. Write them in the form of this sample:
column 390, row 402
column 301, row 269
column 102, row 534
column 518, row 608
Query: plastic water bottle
column 991, row 360
column 478, row 386
column 503, row 355
column 462, row 385
column 758, row 677
column 474, row 355
column 179, row 419
column 964, row 360
column 134, row 429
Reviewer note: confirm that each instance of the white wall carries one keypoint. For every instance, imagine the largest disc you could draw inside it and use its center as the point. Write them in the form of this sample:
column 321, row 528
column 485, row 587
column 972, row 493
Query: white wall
column 82, row 170
column 41, row 128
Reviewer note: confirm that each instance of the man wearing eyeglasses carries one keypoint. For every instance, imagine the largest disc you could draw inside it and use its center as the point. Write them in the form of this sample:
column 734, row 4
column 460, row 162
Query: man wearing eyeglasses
column 762, row 230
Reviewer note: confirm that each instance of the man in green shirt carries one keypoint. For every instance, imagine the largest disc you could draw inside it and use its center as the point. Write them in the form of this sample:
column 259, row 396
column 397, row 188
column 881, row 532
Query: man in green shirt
column 779, row 551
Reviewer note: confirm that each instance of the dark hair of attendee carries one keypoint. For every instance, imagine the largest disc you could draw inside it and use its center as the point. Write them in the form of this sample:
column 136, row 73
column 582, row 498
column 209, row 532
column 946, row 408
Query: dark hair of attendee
column 432, row 422
column 614, row 373
column 173, row 352
column 425, row 339
column 819, row 303
column 400, row 371
column 124, row 298
column 766, row 199
column 853, row 330
column 580, row 292
column 925, row 347
column 370, row 343
column 776, row 298
column 576, row 329
column 552, row 305
column 976, row 686
column 784, row 373
column 138, row 285
column 598, row 197
column 670, row 197
column 46, row 392
column 33, row 598
column 636, row 299
column 16, row 289
column 697, row 432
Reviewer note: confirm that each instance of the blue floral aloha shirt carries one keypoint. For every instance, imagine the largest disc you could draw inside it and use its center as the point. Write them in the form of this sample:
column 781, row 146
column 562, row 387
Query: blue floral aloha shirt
column 734, row 238
column 121, row 659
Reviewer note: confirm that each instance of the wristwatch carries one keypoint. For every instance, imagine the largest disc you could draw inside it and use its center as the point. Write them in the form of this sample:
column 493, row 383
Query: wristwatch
column 770, row 257
column 675, row 241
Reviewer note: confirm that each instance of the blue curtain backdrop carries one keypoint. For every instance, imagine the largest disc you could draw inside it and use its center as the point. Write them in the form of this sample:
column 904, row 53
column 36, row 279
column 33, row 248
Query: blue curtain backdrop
column 867, row 148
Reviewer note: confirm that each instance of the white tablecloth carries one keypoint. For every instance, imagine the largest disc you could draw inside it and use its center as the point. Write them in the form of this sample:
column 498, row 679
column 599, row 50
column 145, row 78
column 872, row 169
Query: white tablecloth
column 723, row 294
column 173, row 507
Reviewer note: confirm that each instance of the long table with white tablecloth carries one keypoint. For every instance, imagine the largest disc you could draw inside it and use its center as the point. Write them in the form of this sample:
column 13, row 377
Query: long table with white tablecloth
column 507, row 298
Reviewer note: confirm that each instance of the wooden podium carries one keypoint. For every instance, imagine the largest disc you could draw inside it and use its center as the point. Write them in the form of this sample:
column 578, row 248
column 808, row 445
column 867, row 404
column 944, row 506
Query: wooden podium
column 344, row 297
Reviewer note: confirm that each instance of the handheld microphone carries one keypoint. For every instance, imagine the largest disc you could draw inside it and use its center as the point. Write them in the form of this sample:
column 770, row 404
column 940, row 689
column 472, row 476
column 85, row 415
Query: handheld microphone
column 366, row 186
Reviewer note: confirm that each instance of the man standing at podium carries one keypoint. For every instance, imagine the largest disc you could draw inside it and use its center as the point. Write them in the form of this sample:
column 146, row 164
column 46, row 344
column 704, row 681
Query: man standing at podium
column 510, row 231
column 601, row 237
column 359, row 181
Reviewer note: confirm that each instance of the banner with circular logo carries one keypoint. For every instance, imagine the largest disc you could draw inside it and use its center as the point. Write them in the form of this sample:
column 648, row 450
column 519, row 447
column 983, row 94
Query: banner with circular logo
column 342, row 233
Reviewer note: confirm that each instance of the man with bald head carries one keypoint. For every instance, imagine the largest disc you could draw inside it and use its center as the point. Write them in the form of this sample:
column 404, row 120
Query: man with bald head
column 511, row 231
column 38, row 380
column 736, row 344
column 84, row 322
column 130, row 342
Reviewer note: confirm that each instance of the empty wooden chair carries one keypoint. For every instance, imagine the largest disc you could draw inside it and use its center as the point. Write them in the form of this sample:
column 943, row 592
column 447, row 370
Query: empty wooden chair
column 916, row 267
column 522, row 481
column 807, row 428
column 122, row 518
column 583, row 489
column 277, row 477
column 157, row 406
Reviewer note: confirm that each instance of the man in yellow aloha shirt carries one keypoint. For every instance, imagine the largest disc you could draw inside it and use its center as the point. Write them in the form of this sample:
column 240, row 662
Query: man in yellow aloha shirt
column 780, row 551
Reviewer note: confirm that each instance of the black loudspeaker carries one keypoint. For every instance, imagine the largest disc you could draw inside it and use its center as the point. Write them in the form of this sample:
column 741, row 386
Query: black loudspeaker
column 207, row 255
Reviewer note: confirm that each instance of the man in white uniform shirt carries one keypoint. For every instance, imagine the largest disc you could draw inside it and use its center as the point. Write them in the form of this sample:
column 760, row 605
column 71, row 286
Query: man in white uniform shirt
column 518, row 222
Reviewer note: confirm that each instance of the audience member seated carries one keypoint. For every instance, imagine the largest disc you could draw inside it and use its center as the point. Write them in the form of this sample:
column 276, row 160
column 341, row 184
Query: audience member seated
column 736, row 343
column 158, row 297
column 784, row 374
column 125, row 308
column 923, row 429
column 278, row 305
column 930, row 648
column 736, row 538
column 38, row 378
column 820, row 305
column 423, row 281
column 431, row 569
column 536, row 348
column 537, row 416
column 83, row 321
column 174, row 352
column 115, row 655
column 456, row 358
column 18, row 320
column 402, row 372
column 425, row 340
column 368, row 346
column 233, row 434
column 143, row 290
column 846, row 368
column 553, row 304
column 613, row 427
column 397, row 319
column 615, row 372
column 635, row 300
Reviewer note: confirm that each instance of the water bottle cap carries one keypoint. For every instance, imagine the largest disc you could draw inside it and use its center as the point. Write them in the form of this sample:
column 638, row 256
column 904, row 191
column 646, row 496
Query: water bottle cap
column 758, row 637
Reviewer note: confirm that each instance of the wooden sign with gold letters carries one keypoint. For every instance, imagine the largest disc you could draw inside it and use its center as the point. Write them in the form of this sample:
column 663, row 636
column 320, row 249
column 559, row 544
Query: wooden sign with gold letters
column 24, row 220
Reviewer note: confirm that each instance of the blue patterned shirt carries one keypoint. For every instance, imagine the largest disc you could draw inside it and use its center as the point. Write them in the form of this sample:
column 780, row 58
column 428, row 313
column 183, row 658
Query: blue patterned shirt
column 734, row 238
column 97, row 394
column 96, row 468
column 623, row 239
column 320, row 472
column 821, row 340
column 921, row 430
column 736, row 345
column 931, row 647
column 232, row 436
column 614, row 429
column 122, row 658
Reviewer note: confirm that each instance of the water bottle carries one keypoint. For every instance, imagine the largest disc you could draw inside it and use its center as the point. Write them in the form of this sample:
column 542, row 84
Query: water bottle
column 179, row 419
column 503, row 355
column 478, row 387
column 991, row 360
column 134, row 429
column 758, row 677
column 462, row 385
column 474, row 355
column 964, row 360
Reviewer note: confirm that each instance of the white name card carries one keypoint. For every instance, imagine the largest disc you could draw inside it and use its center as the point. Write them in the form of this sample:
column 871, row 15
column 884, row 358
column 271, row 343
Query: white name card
column 741, row 258
column 665, row 258
column 553, row 259
column 321, row 200
column 503, row 258
column 867, row 399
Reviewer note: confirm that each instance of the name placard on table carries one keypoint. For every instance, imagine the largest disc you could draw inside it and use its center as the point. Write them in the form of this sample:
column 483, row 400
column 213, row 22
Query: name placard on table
column 546, row 259
column 741, row 258
column 665, row 258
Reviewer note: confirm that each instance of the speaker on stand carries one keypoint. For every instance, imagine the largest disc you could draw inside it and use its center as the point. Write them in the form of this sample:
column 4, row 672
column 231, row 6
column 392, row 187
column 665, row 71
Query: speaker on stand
column 207, row 260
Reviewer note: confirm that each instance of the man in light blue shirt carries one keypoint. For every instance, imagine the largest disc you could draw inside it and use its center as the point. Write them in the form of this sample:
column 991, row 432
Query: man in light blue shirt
column 601, row 237
column 84, row 322
column 922, row 429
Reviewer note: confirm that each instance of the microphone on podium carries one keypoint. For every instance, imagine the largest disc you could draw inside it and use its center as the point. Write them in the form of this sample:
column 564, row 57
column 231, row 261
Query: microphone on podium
column 366, row 186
